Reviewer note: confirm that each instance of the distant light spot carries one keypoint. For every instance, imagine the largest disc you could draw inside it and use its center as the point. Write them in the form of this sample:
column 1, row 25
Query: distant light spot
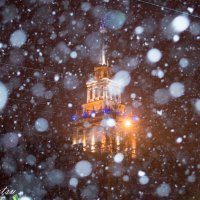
column 190, row 9
column 119, row 157
column 38, row 90
column 139, row 30
column 56, row 77
column 184, row 62
column 123, row 78
column 176, row 38
column 133, row 95
column 48, row 94
column 86, row 124
column 25, row 198
column 93, row 114
column 149, row 134
column 41, row 125
column 179, row 140
column 73, row 182
column 144, row 180
column 83, row 168
column 69, row 105
column 197, row 105
column 191, row 178
column 10, row 140
column 60, row 53
column 18, row 38
column 73, row 54
column 177, row 89
column 85, row 6
column 154, row 55
column 93, row 41
column 180, row 23
column 114, row 19
column 31, row 160
column 158, row 72
column 195, row 28
column 3, row 95
column 71, row 81
column 163, row 190
column 161, row 96
column 125, row 178
column 111, row 122
column 55, row 177
column 141, row 173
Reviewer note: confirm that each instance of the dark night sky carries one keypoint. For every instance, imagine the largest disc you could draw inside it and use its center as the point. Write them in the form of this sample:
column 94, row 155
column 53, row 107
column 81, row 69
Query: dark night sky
column 55, row 29
column 40, row 25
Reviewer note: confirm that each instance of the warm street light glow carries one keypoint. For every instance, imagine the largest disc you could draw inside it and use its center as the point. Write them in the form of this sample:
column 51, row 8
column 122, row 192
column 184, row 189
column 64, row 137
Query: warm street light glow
column 127, row 123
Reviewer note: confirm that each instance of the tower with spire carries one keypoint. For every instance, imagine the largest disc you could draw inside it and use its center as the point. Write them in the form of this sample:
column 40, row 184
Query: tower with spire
column 92, row 126
column 103, row 49
column 99, row 95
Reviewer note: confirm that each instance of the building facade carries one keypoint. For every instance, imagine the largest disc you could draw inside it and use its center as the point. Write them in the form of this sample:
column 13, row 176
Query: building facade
column 103, row 125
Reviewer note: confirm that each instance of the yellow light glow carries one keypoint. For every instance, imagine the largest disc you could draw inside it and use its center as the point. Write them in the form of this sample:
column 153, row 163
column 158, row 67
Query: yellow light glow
column 127, row 123
column 74, row 141
column 118, row 140
column 84, row 140
column 92, row 143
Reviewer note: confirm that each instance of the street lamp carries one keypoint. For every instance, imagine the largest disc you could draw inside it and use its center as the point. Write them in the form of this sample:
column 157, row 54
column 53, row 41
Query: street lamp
column 127, row 123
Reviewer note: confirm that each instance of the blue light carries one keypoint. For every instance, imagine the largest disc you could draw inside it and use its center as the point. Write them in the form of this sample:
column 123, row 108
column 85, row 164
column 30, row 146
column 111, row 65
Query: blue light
column 85, row 114
column 118, row 113
column 135, row 118
column 74, row 117
column 93, row 114
column 108, row 110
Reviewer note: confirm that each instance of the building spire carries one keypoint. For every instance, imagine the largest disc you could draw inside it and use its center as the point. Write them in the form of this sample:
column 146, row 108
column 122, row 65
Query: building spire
column 103, row 55
column 103, row 50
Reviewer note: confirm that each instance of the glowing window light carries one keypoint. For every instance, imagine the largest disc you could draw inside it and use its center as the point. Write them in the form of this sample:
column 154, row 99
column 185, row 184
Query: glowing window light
column 92, row 143
column 74, row 141
column 84, row 140
column 118, row 140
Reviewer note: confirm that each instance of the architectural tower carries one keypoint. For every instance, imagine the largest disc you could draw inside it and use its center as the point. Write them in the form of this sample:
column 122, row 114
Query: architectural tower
column 103, row 124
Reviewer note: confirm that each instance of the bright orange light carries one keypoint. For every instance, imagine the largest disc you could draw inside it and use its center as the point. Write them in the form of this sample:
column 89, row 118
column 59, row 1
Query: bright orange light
column 127, row 123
